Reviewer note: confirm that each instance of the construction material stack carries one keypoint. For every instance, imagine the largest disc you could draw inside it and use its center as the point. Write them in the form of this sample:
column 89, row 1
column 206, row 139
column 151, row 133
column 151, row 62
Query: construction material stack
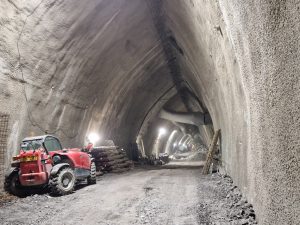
column 110, row 159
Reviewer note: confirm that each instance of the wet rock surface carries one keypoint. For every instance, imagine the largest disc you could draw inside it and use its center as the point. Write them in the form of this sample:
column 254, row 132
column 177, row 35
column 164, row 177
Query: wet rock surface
column 164, row 196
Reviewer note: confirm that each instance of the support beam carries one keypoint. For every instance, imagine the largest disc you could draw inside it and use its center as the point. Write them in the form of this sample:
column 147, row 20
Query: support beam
column 211, row 152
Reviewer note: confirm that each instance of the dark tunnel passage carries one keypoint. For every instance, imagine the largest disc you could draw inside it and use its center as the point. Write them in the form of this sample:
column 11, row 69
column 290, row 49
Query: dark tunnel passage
column 161, row 76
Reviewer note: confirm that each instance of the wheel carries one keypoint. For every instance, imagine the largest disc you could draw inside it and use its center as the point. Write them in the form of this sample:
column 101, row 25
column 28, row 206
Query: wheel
column 12, row 185
column 63, row 182
column 92, row 178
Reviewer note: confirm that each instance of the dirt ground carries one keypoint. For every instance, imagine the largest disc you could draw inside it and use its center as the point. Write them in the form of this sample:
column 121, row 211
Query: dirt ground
column 143, row 196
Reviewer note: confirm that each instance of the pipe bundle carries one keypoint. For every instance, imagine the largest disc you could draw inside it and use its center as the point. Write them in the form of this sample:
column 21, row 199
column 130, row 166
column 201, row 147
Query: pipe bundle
column 110, row 159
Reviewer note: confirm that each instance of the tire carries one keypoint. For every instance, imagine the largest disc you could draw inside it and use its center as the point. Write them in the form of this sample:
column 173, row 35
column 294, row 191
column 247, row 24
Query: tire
column 92, row 178
column 63, row 182
column 12, row 185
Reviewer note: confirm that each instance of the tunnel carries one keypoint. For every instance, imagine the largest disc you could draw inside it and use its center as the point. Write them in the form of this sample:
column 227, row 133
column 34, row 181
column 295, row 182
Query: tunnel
column 125, row 69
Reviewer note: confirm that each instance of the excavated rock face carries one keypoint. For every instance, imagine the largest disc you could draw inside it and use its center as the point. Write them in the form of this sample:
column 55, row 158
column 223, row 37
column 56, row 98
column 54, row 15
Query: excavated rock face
column 69, row 67
column 73, row 66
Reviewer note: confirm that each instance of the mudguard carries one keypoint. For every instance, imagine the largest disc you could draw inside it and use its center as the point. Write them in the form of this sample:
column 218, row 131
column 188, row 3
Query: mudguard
column 11, row 171
column 57, row 167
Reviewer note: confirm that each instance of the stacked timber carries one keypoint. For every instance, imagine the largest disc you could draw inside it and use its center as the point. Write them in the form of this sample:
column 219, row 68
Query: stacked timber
column 110, row 159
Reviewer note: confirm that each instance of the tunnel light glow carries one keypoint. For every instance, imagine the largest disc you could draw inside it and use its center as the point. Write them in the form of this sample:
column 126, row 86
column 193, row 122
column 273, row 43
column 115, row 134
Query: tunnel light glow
column 162, row 131
column 93, row 138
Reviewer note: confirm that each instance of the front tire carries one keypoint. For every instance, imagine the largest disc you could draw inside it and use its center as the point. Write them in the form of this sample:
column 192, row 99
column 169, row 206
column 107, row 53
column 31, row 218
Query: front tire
column 63, row 182
column 12, row 185
column 92, row 178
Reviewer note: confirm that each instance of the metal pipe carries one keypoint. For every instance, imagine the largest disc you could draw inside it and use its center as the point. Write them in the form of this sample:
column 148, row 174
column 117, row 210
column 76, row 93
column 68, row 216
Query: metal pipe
column 194, row 118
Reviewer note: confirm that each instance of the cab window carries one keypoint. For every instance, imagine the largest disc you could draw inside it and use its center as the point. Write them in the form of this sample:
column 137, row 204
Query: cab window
column 52, row 144
column 31, row 145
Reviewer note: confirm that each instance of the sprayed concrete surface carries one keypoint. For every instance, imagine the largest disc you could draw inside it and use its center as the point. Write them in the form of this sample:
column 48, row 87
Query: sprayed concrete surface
column 168, row 196
column 70, row 67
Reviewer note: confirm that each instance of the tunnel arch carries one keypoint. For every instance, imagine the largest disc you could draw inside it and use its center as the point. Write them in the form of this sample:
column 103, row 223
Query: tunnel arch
column 69, row 67
column 171, row 141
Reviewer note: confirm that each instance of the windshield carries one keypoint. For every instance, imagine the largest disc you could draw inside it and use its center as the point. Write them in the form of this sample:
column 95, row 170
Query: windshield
column 52, row 144
column 31, row 145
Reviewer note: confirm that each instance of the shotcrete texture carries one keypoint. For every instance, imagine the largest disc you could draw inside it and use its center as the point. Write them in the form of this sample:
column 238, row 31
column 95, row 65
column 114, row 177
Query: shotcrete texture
column 69, row 67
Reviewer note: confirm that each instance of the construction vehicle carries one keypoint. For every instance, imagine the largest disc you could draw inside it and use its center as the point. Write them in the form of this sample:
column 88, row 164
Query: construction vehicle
column 42, row 162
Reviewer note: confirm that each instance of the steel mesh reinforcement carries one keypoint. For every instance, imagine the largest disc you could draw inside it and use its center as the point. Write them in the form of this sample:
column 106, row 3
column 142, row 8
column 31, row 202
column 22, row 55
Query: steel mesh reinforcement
column 4, row 119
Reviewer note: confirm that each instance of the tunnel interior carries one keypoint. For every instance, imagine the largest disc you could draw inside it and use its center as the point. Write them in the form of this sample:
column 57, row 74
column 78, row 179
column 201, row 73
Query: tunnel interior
column 181, row 128
column 127, row 69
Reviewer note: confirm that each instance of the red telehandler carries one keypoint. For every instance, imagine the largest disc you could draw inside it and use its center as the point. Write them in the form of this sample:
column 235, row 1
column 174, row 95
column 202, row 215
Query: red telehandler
column 42, row 162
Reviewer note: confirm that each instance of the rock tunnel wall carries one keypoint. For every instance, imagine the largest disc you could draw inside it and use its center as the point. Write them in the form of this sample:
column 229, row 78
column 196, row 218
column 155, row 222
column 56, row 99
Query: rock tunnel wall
column 212, row 70
column 241, row 59
column 70, row 66
column 267, row 47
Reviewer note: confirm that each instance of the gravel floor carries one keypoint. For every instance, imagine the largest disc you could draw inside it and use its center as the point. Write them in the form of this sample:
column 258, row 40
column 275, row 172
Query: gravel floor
column 142, row 196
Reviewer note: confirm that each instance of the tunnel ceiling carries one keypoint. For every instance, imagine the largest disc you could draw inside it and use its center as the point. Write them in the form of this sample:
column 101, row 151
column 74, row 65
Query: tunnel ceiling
column 69, row 67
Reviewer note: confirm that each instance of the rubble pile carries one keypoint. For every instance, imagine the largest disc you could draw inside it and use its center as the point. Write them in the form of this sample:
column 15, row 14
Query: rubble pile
column 241, row 211
column 197, row 152
column 197, row 147
column 110, row 159
column 197, row 156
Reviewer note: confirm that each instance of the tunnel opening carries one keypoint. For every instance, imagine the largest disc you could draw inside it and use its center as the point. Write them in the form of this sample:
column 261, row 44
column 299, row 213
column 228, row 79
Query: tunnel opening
column 179, row 129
